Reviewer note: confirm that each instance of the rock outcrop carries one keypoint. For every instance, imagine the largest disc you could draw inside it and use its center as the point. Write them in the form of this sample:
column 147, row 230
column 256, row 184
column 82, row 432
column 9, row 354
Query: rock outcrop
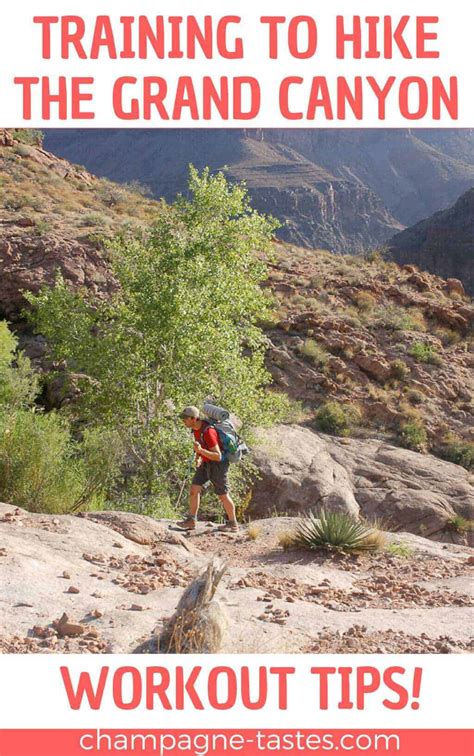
column 29, row 262
column 300, row 470
column 443, row 244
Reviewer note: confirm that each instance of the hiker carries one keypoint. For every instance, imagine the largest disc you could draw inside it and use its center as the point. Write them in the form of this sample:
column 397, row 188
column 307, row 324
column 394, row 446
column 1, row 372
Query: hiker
column 210, row 467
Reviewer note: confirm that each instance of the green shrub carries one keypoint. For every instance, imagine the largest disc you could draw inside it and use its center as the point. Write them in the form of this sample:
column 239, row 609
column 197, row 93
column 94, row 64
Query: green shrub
column 400, row 549
column 413, row 435
column 44, row 227
column 365, row 301
column 424, row 352
column 314, row 351
column 37, row 470
column 460, row 524
column 399, row 370
column 334, row 417
column 18, row 382
column 43, row 470
column 457, row 450
column 336, row 530
column 28, row 136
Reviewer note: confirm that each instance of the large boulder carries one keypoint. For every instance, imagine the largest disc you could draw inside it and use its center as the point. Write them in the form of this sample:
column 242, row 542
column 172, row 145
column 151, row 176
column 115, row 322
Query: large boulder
column 302, row 470
column 298, row 473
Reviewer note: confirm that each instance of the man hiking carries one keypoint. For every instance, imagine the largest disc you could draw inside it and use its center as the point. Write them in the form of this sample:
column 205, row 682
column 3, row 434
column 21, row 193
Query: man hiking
column 210, row 467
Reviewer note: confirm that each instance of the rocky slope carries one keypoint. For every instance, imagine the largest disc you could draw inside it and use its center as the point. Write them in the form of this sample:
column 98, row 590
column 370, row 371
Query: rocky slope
column 52, row 213
column 341, row 189
column 391, row 343
column 117, row 577
column 443, row 242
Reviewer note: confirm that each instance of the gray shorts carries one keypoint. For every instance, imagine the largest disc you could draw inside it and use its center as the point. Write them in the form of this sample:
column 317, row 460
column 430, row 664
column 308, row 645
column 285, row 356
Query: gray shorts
column 214, row 472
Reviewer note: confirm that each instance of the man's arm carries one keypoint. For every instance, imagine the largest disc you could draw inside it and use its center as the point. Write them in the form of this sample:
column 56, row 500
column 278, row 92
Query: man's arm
column 214, row 454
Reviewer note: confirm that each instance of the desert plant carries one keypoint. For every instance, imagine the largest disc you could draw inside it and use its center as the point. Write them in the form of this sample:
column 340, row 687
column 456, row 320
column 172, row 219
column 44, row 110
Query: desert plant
column 460, row 524
column 336, row 530
column 28, row 136
column 110, row 194
column 22, row 150
column 399, row 370
column 42, row 468
column 334, row 417
column 314, row 351
column 286, row 539
column 448, row 336
column 365, row 301
column 376, row 255
column 254, row 531
column 400, row 549
column 414, row 396
column 43, row 227
column 412, row 435
column 424, row 352
column 455, row 449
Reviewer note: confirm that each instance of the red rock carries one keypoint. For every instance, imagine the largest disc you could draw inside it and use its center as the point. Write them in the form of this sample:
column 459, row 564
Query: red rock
column 454, row 286
column 374, row 365
column 64, row 627
column 6, row 139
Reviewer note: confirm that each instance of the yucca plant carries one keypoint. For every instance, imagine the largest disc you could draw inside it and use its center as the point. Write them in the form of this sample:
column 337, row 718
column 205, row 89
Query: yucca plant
column 336, row 530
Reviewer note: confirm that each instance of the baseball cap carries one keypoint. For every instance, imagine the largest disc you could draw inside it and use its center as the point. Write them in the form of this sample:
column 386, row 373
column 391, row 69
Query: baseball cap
column 190, row 412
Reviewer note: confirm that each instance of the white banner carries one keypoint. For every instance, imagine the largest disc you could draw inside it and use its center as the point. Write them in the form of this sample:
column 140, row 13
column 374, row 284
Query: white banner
column 233, row 691
column 269, row 64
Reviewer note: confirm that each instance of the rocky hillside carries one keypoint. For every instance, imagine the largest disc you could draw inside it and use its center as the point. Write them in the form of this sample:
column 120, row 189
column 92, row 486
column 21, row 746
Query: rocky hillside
column 340, row 189
column 107, row 582
column 390, row 344
column 443, row 242
column 52, row 213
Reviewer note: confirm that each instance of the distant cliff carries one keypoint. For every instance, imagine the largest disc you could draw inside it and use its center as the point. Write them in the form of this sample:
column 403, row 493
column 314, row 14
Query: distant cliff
column 443, row 243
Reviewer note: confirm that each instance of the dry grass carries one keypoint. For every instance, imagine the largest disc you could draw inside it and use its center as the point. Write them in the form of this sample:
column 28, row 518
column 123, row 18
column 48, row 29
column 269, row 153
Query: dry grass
column 286, row 539
column 199, row 623
column 254, row 531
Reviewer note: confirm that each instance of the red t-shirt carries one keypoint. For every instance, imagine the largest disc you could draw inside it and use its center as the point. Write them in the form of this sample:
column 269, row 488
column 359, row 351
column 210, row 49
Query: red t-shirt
column 208, row 438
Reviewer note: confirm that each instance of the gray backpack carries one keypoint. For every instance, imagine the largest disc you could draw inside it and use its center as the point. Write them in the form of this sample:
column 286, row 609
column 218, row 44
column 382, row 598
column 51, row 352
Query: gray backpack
column 233, row 447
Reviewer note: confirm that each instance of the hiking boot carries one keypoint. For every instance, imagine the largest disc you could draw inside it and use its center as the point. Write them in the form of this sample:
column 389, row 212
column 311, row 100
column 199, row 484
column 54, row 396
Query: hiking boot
column 188, row 524
column 230, row 526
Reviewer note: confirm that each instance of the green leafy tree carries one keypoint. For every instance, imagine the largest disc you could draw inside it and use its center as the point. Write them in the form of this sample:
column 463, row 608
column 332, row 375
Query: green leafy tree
column 18, row 382
column 182, row 326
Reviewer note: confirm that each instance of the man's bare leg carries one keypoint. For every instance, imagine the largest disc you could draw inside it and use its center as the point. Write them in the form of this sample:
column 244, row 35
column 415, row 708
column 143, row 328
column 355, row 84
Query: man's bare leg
column 229, row 506
column 194, row 500
column 189, row 523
